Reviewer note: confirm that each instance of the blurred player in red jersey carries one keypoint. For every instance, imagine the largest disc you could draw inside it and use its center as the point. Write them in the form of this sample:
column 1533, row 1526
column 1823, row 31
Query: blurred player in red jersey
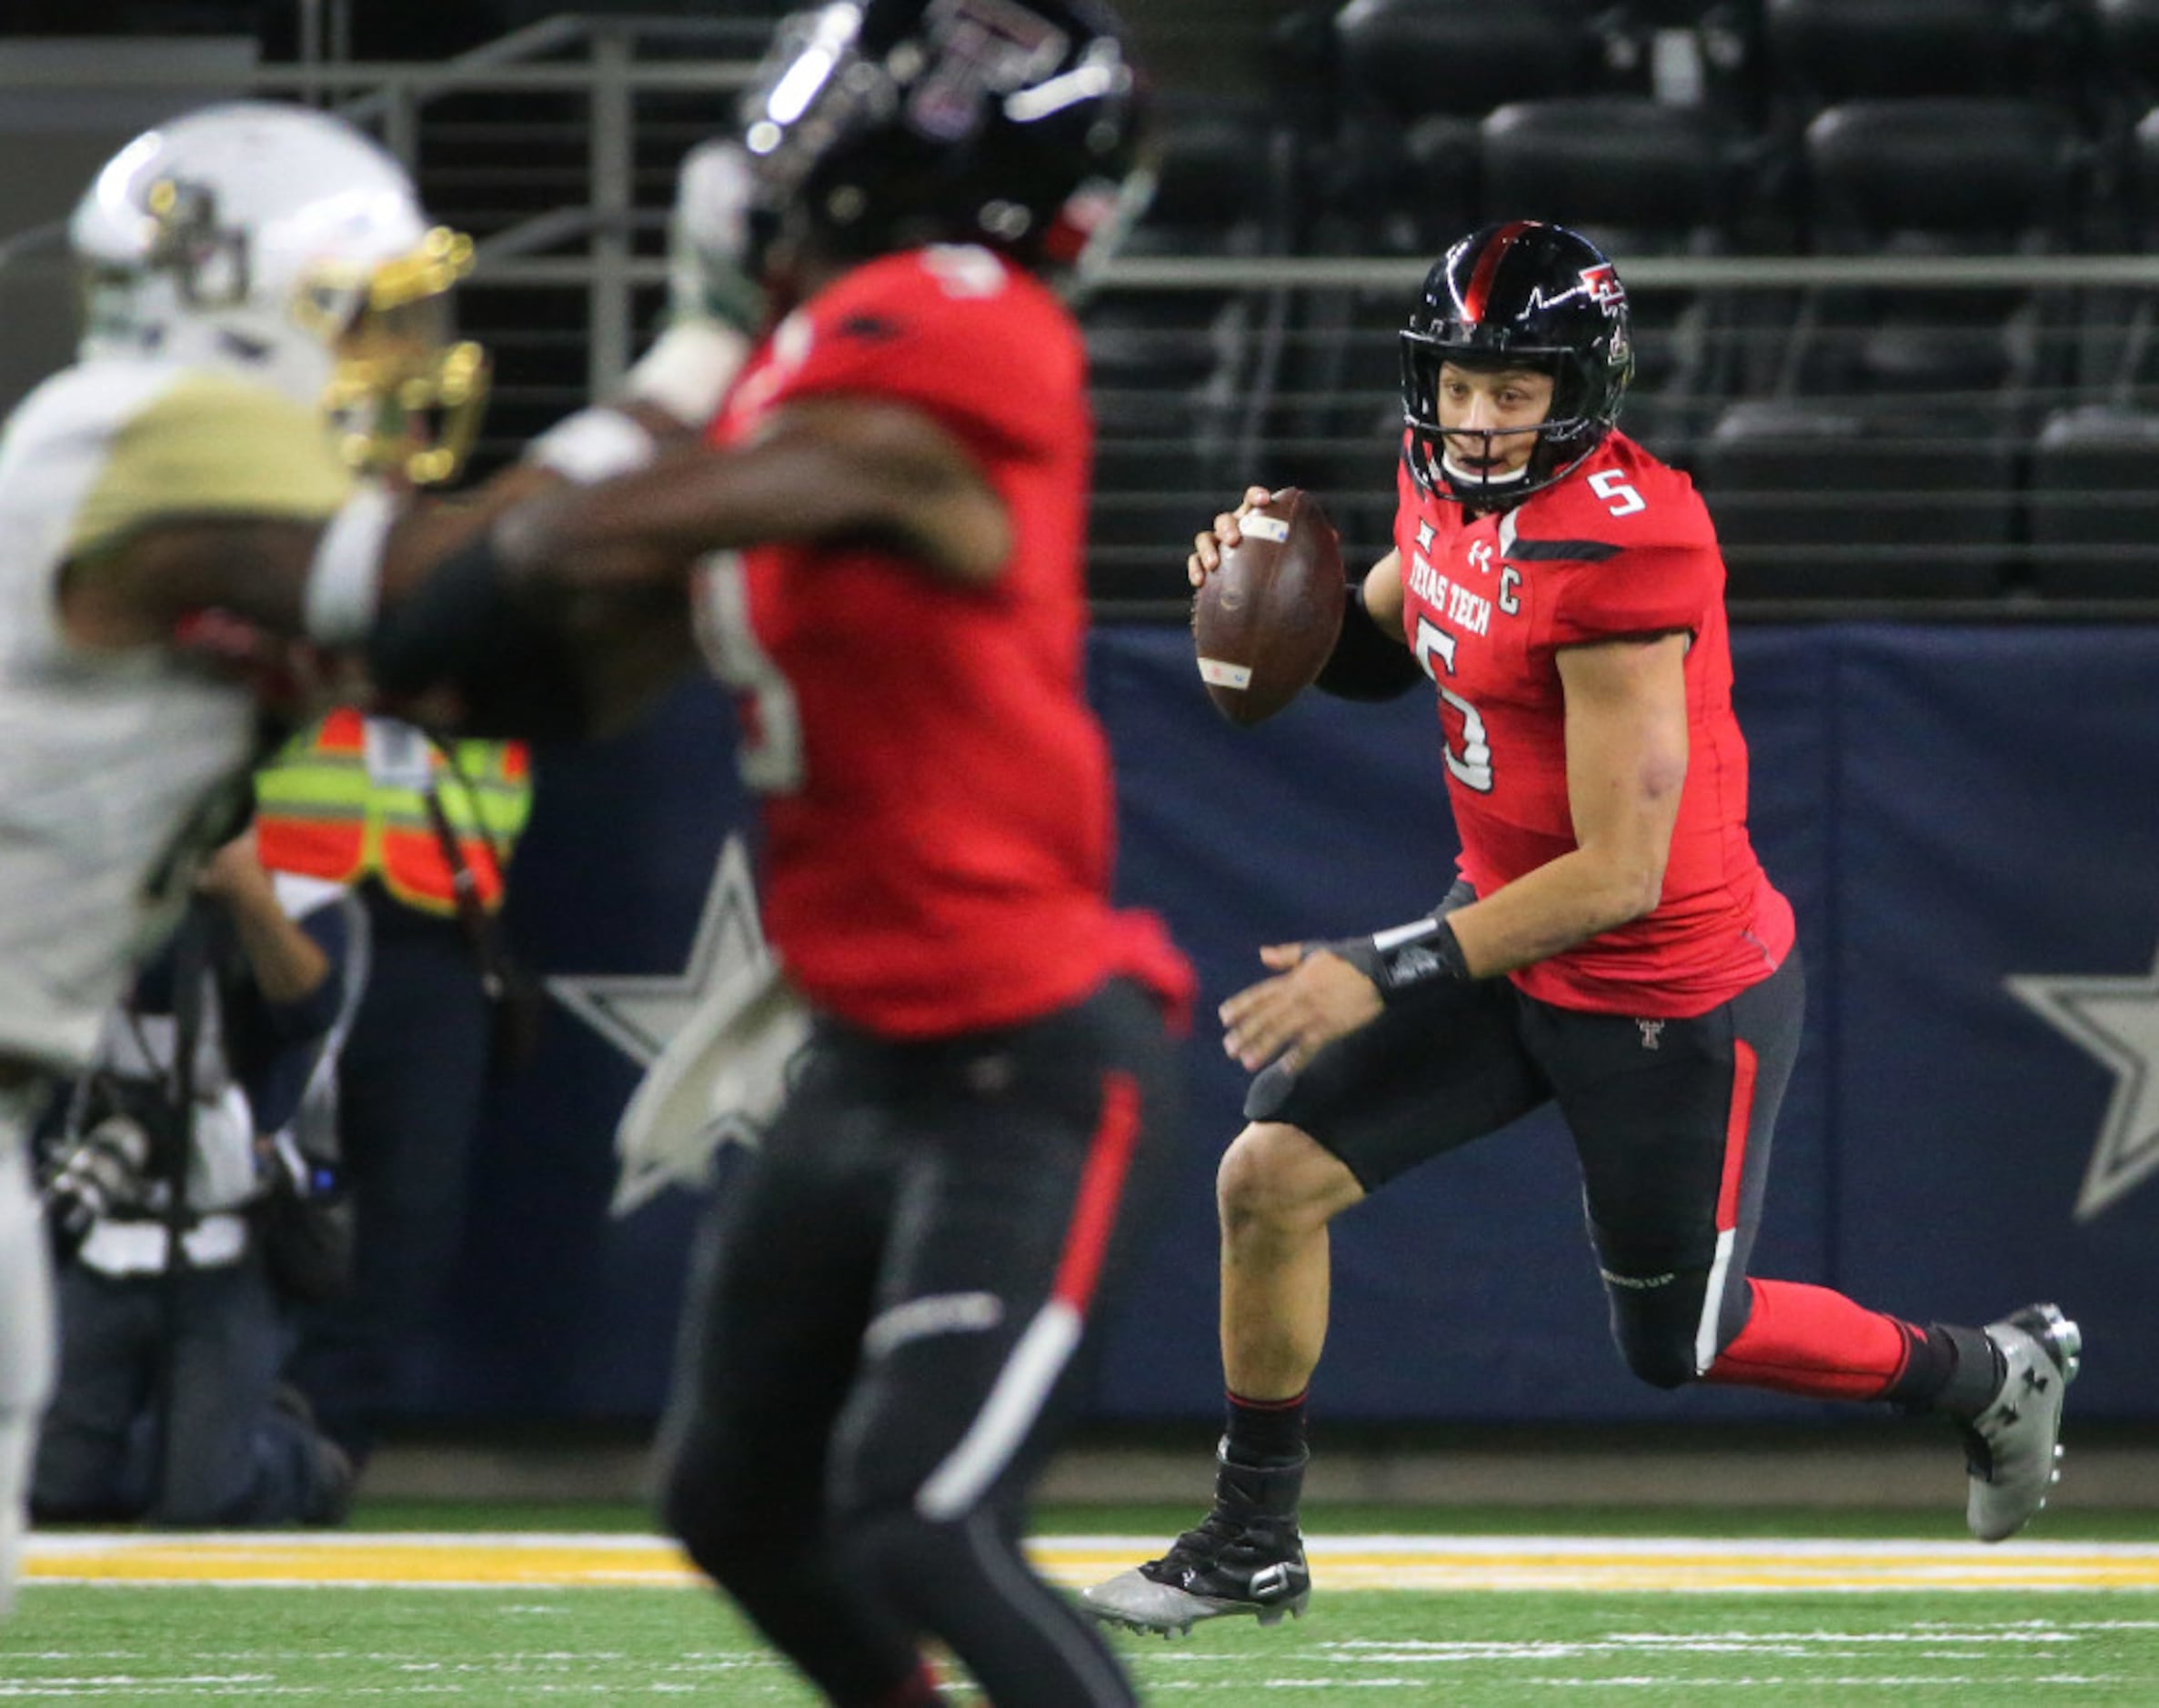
column 882, row 552
column 1612, row 943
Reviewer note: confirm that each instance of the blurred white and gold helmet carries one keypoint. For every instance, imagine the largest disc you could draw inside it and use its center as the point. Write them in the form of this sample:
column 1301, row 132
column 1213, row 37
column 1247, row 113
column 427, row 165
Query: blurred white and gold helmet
column 284, row 242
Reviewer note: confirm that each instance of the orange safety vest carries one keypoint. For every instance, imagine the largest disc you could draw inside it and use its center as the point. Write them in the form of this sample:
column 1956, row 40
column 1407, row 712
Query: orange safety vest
column 349, row 800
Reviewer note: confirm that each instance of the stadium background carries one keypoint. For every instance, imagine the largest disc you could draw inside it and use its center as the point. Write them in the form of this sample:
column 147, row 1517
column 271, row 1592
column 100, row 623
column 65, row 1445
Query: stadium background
column 1893, row 279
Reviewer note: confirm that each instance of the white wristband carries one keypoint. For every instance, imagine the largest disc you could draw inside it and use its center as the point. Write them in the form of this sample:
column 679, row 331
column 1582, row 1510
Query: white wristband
column 593, row 445
column 689, row 370
column 344, row 579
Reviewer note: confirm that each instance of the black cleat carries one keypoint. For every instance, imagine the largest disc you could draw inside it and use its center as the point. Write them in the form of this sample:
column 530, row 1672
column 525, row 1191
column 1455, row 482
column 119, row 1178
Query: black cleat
column 1228, row 1565
column 1246, row 1557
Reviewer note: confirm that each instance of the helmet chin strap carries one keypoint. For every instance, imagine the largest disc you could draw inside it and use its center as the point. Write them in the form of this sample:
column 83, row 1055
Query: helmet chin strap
column 1478, row 477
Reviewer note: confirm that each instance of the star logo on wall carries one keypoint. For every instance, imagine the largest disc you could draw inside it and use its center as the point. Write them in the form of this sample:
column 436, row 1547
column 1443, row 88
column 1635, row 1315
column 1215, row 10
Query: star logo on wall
column 715, row 1040
column 640, row 1014
column 2117, row 1021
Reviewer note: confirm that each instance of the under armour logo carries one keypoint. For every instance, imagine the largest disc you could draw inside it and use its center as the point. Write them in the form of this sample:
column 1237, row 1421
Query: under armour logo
column 1480, row 556
column 1652, row 1032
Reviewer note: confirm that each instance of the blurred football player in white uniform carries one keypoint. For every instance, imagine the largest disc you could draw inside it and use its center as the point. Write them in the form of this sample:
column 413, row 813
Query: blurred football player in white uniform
column 266, row 373
column 266, row 364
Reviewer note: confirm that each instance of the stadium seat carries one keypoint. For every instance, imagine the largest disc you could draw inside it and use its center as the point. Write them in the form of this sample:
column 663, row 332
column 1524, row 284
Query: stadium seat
column 2094, row 506
column 2115, row 358
column 1219, row 188
column 2117, row 353
column 1333, row 421
column 1669, row 14
column 2139, row 175
column 1419, row 56
column 1817, row 52
column 1685, row 52
column 1137, row 545
column 1415, row 77
column 2129, row 32
column 2126, row 59
column 1662, row 176
column 1933, row 176
column 1637, row 178
column 1170, row 369
column 1995, row 172
column 1818, row 502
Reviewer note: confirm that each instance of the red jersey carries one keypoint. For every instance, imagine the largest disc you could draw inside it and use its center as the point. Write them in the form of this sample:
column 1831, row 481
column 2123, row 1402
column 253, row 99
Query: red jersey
column 936, row 800
column 1621, row 547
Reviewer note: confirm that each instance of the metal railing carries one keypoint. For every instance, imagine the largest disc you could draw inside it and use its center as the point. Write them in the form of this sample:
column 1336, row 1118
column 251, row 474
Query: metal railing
column 1967, row 436
column 606, row 62
column 1253, row 366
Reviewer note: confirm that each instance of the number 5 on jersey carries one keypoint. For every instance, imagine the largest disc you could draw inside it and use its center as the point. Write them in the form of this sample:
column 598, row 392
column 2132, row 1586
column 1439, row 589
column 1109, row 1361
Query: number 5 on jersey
column 1471, row 765
column 1610, row 484
column 769, row 744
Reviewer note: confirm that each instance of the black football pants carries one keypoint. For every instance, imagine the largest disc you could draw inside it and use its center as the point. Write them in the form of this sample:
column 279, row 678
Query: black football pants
column 886, row 1337
column 1672, row 1121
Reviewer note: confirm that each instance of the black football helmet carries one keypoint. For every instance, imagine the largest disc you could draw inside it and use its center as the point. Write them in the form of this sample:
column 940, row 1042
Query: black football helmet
column 1529, row 295
column 883, row 125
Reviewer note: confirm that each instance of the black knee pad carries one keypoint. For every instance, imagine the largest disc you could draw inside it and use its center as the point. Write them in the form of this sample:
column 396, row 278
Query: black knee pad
column 1654, row 1319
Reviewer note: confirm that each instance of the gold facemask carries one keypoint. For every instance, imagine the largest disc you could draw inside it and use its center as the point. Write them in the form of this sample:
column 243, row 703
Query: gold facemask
column 405, row 397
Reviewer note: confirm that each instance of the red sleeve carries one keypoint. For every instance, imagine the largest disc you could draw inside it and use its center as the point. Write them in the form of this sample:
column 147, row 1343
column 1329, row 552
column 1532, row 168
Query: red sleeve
column 1641, row 590
column 957, row 333
column 1631, row 570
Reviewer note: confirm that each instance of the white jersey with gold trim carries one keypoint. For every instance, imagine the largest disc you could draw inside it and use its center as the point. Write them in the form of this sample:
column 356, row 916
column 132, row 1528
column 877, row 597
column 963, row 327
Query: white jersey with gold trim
column 115, row 766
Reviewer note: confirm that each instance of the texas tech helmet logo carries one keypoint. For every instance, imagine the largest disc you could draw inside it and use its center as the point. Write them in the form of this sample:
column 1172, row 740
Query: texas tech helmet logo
column 1601, row 282
column 985, row 49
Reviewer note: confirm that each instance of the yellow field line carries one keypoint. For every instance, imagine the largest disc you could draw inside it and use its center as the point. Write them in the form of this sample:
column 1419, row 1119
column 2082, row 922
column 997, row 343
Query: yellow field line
column 1361, row 1563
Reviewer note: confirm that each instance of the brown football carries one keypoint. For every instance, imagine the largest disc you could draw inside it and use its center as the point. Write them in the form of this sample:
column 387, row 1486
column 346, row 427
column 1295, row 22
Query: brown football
column 1266, row 621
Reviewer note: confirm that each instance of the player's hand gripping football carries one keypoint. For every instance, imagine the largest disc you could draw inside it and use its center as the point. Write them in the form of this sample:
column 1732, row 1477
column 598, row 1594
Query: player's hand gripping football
column 1208, row 545
column 1315, row 998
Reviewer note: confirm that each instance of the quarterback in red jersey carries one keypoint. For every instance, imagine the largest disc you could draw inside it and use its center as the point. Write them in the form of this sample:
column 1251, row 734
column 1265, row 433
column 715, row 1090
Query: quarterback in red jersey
column 879, row 548
column 1611, row 944
column 1492, row 599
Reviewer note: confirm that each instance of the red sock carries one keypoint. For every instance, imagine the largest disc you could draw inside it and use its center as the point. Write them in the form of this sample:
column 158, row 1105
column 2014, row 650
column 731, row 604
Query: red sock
column 1809, row 1340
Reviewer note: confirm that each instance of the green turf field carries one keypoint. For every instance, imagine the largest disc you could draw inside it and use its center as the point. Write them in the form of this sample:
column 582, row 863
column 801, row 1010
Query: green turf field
column 595, row 1613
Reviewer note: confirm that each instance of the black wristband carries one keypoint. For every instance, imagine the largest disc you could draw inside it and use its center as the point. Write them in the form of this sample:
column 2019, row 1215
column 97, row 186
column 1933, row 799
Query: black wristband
column 457, row 612
column 1405, row 955
column 463, row 627
column 1366, row 662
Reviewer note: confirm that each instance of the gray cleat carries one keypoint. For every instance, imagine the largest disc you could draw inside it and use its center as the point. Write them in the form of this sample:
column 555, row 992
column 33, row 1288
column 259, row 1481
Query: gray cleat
column 1230, row 1564
column 2012, row 1447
